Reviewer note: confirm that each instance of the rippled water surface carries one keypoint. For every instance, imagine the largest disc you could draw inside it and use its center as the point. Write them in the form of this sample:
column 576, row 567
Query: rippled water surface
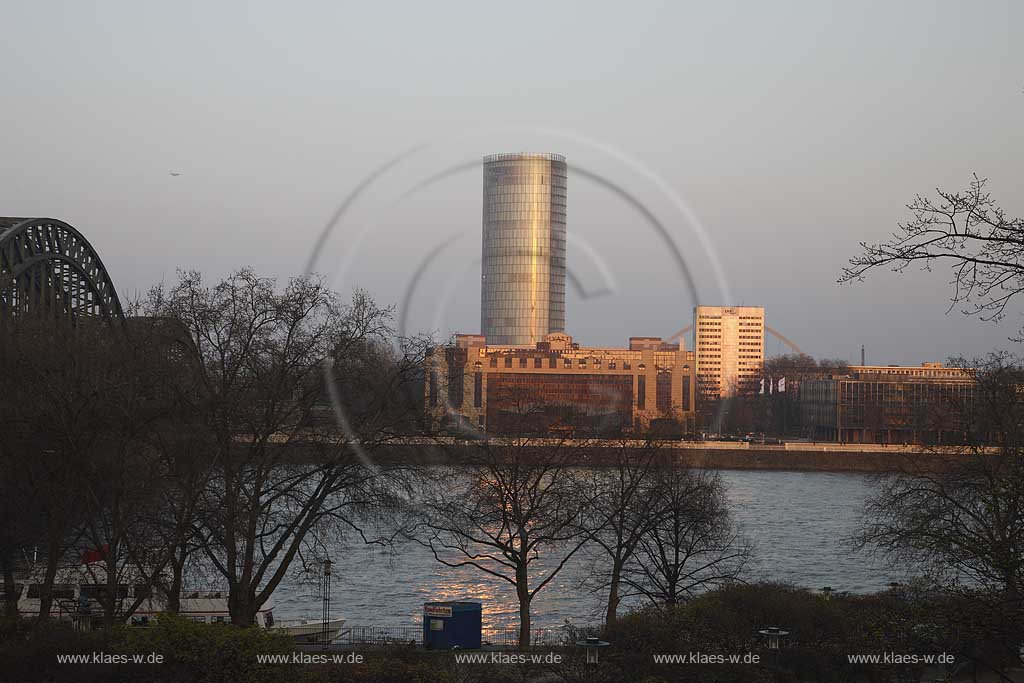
column 797, row 520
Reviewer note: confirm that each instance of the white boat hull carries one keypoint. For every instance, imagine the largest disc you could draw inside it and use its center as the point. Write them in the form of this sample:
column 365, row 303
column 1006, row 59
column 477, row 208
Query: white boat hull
column 312, row 631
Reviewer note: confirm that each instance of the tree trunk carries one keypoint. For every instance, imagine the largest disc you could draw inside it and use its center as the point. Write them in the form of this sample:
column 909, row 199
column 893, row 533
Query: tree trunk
column 242, row 607
column 523, row 592
column 10, row 593
column 174, row 590
column 524, row 619
column 52, row 559
column 613, row 595
column 110, row 597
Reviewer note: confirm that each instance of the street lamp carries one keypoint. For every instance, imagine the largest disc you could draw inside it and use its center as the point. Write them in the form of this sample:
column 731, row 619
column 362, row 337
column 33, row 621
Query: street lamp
column 774, row 635
column 592, row 645
column 326, row 590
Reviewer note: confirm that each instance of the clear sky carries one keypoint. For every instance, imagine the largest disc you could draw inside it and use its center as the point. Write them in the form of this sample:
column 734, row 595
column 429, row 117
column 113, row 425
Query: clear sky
column 788, row 132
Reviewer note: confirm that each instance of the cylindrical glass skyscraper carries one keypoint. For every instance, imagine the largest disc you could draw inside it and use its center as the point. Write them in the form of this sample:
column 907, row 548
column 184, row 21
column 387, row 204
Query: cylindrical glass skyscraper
column 522, row 291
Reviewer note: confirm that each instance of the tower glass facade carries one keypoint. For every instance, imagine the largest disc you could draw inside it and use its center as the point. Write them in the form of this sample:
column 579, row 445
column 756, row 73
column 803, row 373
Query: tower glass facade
column 522, row 288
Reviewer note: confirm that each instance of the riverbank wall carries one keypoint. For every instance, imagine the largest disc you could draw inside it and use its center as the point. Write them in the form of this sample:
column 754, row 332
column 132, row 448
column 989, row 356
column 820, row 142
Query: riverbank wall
column 793, row 456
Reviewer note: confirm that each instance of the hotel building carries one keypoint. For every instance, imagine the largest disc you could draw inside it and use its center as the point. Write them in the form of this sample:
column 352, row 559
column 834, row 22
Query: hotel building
column 729, row 343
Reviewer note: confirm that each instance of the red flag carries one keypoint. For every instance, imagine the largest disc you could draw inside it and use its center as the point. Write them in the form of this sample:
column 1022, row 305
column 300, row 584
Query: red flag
column 96, row 555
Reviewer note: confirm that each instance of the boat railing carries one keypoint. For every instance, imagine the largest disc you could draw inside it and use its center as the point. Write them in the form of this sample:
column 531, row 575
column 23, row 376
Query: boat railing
column 558, row 636
column 501, row 637
column 380, row 635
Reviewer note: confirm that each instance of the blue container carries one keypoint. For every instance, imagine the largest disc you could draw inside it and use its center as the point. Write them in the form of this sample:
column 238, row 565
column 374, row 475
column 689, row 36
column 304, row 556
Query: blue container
column 452, row 624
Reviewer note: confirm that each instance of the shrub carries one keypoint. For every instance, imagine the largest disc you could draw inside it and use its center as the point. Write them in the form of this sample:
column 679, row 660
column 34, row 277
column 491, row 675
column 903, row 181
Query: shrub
column 211, row 653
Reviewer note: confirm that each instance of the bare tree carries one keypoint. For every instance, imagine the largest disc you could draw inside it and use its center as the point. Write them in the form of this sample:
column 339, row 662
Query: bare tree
column 506, row 504
column 89, row 404
column 54, row 422
column 23, row 514
column 983, row 246
column 694, row 545
column 960, row 523
column 624, row 510
column 283, row 470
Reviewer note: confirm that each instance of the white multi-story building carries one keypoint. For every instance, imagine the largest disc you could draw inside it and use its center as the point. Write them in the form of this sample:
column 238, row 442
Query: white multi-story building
column 729, row 342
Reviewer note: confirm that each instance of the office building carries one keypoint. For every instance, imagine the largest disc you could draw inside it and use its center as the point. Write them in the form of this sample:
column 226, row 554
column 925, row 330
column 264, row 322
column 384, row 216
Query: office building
column 729, row 343
column 522, row 287
column 558, row 387
column 889, row 404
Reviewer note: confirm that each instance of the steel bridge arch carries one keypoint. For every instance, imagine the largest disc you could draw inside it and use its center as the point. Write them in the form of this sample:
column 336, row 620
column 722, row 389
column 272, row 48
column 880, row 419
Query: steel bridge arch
column 48, row 269
column 775, row 333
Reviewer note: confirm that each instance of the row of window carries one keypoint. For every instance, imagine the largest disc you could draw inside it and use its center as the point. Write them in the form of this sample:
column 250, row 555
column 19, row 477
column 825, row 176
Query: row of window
column 65, row 591
column 520, row 246
column 529, row 217
column 553, row 363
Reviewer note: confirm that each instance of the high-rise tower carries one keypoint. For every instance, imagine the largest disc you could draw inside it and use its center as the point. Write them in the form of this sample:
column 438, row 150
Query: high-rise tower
column 522, row 289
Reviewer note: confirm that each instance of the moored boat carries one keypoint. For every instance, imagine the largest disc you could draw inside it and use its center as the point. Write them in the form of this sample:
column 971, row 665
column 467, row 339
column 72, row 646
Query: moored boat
column 309, row 631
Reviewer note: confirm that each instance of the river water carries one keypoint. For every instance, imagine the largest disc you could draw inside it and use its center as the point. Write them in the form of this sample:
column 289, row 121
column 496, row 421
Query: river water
column 797, row 520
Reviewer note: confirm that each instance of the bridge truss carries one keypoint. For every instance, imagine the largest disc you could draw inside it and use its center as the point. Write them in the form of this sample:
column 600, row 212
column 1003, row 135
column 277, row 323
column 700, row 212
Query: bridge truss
column 49, row 270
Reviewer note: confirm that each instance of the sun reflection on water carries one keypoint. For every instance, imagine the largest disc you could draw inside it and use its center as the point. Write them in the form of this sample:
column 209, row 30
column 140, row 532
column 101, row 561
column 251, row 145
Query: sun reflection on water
column 797, row 520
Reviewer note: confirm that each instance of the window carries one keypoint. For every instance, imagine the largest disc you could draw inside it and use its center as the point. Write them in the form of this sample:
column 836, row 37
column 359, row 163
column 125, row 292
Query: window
column 641, row 391
column 63, row 591
column 567, row 362
column 508, row 361
column 538, row 362
column 494, row 362
column 456, row 381
column 663, row 392
column 552, row 362
column 522, row 362
column 91, row 591
column 478, row 389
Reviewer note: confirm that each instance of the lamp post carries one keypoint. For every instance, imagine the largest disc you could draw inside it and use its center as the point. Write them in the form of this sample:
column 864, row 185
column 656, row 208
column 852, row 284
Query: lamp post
column 326, row 590
column 774, row 635
column 592, row 646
